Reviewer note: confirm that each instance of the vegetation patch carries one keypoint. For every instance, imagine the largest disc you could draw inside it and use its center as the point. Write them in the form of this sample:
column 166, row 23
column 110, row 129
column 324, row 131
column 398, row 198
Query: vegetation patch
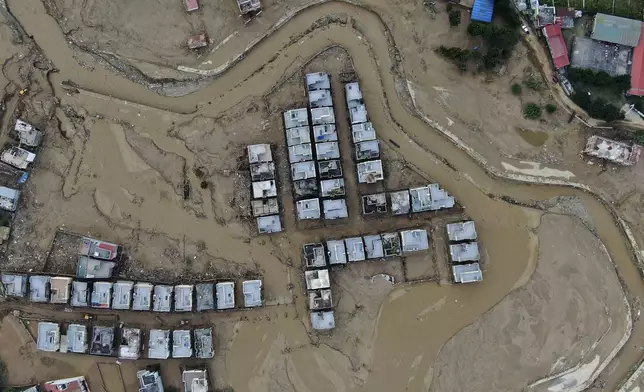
column 551, row 108
column 532, row 111
column 588, row 77
column 454, row 17
column 598, row 107
column 516, row 89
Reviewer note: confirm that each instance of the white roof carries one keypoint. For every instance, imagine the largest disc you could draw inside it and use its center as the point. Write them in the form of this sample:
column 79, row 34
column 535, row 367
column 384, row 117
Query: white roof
column 317, row 81
column 337, row 252
column 420, row 199
column 460, row 231
column 225, row 295
column 308, row 209
column 373, row 246
column 367, row 150
column 325, row 133
column 142, row 296
column 159, row 344
column 303, row 170
column 363, row 132
column 195, row 380
column 101, row 295
column 467, row 273
column 80, row 295
column 332, row 188
column 414, row 240
column 370, row 171
column 322, row 116
column 464, row 252
column 17, row 157
column 298, row 135
column 400, row 202
column 162, row 298
column 355, row 248
column 77, row 338
column 15, row 285
column 314, row 255
column 358, row 114
column 258, row 153
column 9, row 198
column 183, row 298
column 264, row 189
column 335, row 209
column 181, row 344
column 252, row 293
column 300, row 153
column 320, row 98
column 122, row 295
column 269, row 224
column 323, row 320
column 353, row 94
column 317, row 279
column 48, row 337
column 296, row 118
column 440, row 198
column 328, row 150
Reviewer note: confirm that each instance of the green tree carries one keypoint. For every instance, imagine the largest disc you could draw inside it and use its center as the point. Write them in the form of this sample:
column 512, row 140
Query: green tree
column 454, row 17
column 516, row 89
column 532, row 111
column 476, row 29
column 639, row 138
column 551, row 108
column 533, row 83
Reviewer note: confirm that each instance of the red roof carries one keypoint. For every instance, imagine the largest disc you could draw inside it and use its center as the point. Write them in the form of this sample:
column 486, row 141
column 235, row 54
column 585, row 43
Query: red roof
column 637, row 69
column 557, row 45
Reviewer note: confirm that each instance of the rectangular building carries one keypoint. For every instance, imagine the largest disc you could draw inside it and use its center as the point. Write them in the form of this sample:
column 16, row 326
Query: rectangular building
column 28, row 134
column 616, row 30
column 367, row 150
column 122, row 295
column 322, row 116
column 328, row 150
column 370, row 172
column 269, row 224
column 17, row 157
column 80, row 294
column 325, row 133
column 373, row 247
column 441, row 199
column 464, row 252
column 374, row 204
column 60, row 289
column 317, row 279
column 400, row 204
column 391, row 244
column 306, row 189
column 467, row 273
column 149, row 381
column 264, row 189
column 9, row 198
column 296, row 118
column 76, row 339
column 317, row 81
column 330, row 169
column 248, row 6
column 225, row 295
column 303, row 170
column 265, row 207
column 191, row 5
column 324, row 320
column 262, row 171
column 103, row 341
column 308, row 209
column 355, row 249
column 614, row 151
column 259, row 153
column 130, row 343
column 314, row 255
column 363, row 132
column 335, row 209
column 358, row 114
column 15, row 285
column 320, row 299
column 252, row 290
column 159, row 344
column 300, row 153
column 461, row 231
column 101, row 295
column 205, row 296
column 74, row 384
column 39, row 288
column 332, row 188
column 298, row 135
column 195, row 380
column 48, row 337
column 98, row 249
column 557, row 45
column 183, row 297
column 142, row 296
column 414, row 240
column 203, row 343
column 337, row 252
column 162, row 298
column 88, row 268
column 483, row 10
column 181, row 343
column 353, row 94
column 320, row 99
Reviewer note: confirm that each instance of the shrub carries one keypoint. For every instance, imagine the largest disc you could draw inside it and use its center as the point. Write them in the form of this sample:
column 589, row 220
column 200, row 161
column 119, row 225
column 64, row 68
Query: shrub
column 532, row 111
column 597, row 108
column 516, row 89
column 454, row 18
column 639, row 138
column 551, row 108
column 475, row 29
column 453, row 53
column 532, row 82
column 617, row 84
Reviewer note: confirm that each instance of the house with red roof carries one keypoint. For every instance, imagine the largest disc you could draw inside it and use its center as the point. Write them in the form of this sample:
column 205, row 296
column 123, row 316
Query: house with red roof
column 637, row 69
column 557, row 45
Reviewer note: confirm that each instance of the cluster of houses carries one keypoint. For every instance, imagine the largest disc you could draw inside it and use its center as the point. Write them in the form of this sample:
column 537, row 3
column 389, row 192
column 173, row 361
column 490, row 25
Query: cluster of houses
column 125, row 342
column 314, row 154
column 264, row 204
column 408, row 201
column 245, row 6
column 319, row 257
column 368, row 163
column 92, row 288
column 464, row 252
column 19, row 156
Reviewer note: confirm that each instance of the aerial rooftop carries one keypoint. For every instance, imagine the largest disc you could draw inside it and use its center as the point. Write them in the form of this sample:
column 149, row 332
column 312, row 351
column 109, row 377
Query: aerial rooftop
column 142, row 296
column 17, row 157
column 89, row 268
column 102, row 341
column 320, row 98
column 15, row 285
column 258, row 153
column 296, row 118
column 306, row 189
column 252, row 293
column 322, row 116
column 122, row 295
column 300, row 153
column 39, row 288
column 614, row 151
column 97, row 249
column 80, row 294
column 363, row 132
column 355, row 249
column 320, row 299
column 325, row 133
column 330, row 169
column 264, row 189
column 461, row 231
column 149, row 381
column 77, row 339
column 303, row 170
column 323, row 320
column 183, row 298
column 367, row 150
column 373, row 246
column 60, row 289
column 181, row 343
column 195, row 380
column 73, row 384
column 353, row 94
column 464, row 252
column 298, row 135
column 262, row 171
column 391, row 244
column 400, row 204
column 332, row 187
column 314, row 255
column 101, row 295
column 317, row 279
column 467, row 273
column 247, row 6
column 225, row 295
column 9, row 198
column 265, row 207
column 374, row 204
column 328, row 150
column 317, row 81
column 414, row 240
column 48, row 337
column 335, row 209
column 205, row 296
column 370, row 172
column 130, row 346
column 308, row 209
column 269, row 224
column 358, row 114
column 203, row 343
column 440, row 198
column 159, row 344
column 28, row 134
column 337, row 252
column 162, row 298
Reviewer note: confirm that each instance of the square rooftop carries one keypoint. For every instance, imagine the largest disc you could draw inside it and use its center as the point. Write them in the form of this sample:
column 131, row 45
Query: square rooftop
column 225, row 295
column 337, row 252
column 414, row 240
column 464, row 252
column 373, row 246
column 330, row 169
column 258, row 153
column 335, row 209
column 370, row 172
column 300, row 153
column 252, row 293
column 296, row 118
column 328, row 150
column 332, row 187
column 314, row 255
column 269, row 224
column 320, row 99
column 298, row 135
column 203, row 343
column 308, row 209
column 323, row 115
column 461, row 231
column 325, row 133
column 303, row 170
column 363, row 132
column 317, row 81
column 80, row 294
column 122, row 295
column 323, row 320
column 317, row 279
column 355, row 249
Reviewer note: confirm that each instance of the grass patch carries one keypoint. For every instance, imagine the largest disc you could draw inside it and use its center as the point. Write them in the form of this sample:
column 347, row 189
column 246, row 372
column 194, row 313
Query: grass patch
column 532, row 111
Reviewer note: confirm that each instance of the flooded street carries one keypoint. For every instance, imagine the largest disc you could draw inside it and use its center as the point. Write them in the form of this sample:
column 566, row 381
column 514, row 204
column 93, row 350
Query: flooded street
column 415, row 321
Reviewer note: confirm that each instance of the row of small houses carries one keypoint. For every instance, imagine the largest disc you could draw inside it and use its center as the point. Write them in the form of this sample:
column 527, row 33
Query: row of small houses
column 125, row 342
column 128, row 295
column 316, row 168
column 264, row 204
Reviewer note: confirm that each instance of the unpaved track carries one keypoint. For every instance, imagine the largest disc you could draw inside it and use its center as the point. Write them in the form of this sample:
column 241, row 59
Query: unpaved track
column 466, row 180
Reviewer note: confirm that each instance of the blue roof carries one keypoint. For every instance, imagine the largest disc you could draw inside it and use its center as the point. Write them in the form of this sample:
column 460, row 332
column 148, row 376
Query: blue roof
column 483, row 10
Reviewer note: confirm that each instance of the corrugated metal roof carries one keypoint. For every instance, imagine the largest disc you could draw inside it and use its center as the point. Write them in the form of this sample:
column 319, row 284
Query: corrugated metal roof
column 637, row 70
column 557, row 45
column 618, row 30
column 483, row 10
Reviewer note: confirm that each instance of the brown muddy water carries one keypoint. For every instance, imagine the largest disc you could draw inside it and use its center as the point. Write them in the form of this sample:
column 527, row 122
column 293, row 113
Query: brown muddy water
column 534, row 138
column 404, row 345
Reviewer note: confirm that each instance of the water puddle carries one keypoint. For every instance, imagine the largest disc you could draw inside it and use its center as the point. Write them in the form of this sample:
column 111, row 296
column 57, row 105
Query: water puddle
column 534, row 138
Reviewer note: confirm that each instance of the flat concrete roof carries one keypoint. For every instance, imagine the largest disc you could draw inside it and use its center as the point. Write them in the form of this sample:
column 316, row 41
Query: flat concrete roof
column 269, row 224
column 355, row 249
column 205, row 296
column 296, row 118
column 183, row 298
column 414, row 240
column 80, row 294
column 142, row 296
column 101, row 295
column 308, row 209
column 181, row 343
column 317, row 279
column 467, row 273
column 48, row 337
column 225, row 295
column 373, row 246
column 337, row 252
column 252, row 290
column 122, row 295
column 323, row 320
column 314, row 255
column 461, row 231
column 335, row 209
column 159, row 344
column 162, row 298
column 203, row 343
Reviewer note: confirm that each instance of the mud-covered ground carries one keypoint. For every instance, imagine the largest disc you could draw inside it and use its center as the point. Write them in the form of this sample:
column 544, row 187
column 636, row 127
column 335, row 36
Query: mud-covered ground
column 115, row 169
